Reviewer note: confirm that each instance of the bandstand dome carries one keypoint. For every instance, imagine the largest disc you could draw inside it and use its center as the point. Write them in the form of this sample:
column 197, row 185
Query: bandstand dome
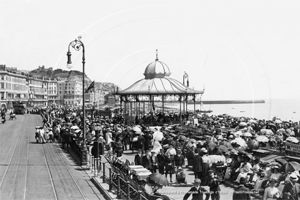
column 157, row 81
column 157, row 69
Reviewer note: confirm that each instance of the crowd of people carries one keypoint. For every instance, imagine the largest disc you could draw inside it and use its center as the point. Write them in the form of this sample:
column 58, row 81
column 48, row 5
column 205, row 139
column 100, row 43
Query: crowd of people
column 220, row 150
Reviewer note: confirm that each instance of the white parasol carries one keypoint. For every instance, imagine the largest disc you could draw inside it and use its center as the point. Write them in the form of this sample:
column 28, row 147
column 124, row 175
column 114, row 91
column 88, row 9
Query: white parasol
column 292, row 139
column 240, row 142
column 247, row 134
column 74, row 127
column 262, row 138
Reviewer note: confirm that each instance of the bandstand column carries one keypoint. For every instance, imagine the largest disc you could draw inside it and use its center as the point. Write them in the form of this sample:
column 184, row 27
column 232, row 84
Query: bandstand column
column 180, row 107
column 186, row 103
column 194, row 103
column 121, row 103
column 163, row 103
column 139, row 116
column 130, row 111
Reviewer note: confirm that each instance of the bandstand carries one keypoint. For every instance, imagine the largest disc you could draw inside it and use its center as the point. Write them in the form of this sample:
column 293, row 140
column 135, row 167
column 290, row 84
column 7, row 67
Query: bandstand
column 153, row 92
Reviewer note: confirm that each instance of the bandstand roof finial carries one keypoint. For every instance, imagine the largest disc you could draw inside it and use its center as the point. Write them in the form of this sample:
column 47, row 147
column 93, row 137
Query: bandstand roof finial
column 156, row 55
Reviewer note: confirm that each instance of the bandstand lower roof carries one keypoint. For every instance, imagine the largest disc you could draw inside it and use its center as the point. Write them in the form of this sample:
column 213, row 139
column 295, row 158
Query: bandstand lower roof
column 158, row 86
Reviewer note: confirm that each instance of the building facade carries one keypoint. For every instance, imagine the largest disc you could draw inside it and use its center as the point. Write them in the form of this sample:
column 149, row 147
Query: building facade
column 38, row 93
column 73, row 92
column 52, row 91
column 19, row 85
column 13, row 85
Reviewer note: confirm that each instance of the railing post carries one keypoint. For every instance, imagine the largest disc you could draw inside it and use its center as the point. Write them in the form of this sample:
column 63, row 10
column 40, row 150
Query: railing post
column 99, row 165
column 140, row 195
column 118, row 186
column 103, row 173
column 110, row 179
column 96, row 167
column 92, row 165
column 128, row 190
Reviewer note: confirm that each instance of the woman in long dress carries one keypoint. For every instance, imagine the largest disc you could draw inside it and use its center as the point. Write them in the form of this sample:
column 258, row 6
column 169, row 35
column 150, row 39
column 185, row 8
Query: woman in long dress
column 271, row 192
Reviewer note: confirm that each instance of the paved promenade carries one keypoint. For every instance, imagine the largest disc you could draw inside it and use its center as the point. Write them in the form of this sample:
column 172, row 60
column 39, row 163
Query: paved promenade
column 31, row 171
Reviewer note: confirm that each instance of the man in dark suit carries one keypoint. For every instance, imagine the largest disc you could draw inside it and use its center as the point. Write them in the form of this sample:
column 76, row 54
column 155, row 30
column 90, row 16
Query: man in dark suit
column 196, row 191
column 197, row 165
column 138, row 158
column 241, row 193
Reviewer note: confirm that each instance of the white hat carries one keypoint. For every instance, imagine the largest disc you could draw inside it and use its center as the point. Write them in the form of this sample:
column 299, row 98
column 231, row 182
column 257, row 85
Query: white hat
column 294, row 177
column 204, row 150
column 297, row 173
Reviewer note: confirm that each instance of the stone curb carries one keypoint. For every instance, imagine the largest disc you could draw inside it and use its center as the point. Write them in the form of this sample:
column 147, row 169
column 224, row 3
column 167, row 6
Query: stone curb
column 101, row 189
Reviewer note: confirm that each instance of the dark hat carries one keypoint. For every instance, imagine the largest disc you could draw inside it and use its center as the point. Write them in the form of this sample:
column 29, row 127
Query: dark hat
column 242, row 180
column 197, row 180
column 273, row 180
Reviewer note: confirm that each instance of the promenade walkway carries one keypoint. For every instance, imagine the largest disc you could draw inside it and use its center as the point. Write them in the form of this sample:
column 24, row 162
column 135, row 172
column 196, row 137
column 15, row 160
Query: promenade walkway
column 31, row 171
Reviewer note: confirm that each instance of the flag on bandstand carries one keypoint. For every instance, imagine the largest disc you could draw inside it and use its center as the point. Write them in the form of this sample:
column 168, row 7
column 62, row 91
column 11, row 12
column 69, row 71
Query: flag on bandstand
column 92, row 86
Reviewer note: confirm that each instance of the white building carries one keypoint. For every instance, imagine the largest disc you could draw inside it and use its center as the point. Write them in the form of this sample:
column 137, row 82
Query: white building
column 13, row 85
column 52, row 91
column 73, row 92
column 38, row 95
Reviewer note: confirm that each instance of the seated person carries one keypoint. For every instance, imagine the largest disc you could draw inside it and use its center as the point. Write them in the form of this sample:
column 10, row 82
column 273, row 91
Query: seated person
column 151, row 189
column 180, row 176
column 244, row 169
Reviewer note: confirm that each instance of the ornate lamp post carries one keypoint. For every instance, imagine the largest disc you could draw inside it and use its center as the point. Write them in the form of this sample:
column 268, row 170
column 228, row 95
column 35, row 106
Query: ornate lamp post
column 78, row 45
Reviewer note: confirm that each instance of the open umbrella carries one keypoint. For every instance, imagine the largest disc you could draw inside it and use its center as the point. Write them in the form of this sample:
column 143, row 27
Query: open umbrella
column 239, row 141
column 137, row 129
column 159, row 179
column 247, row 134
column 253, row 144
column 281, row 161
column 223, row 148
column 182, row 137
column 262, row 138
column 290, row 167
column 292, row 139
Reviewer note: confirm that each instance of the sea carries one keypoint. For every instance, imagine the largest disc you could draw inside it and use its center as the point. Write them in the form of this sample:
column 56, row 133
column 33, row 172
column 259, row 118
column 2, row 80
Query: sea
column 284, row 109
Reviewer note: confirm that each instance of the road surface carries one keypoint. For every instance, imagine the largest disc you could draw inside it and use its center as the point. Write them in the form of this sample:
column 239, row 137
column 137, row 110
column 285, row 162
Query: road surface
column 31, row 171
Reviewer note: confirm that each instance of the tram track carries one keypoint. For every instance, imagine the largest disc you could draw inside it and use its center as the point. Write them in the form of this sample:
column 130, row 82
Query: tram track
column 60, row 167
column 11, row 159
column 30, row 171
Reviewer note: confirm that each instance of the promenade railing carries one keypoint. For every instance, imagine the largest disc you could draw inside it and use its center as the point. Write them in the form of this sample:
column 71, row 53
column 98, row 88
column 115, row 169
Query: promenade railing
column 118, row 180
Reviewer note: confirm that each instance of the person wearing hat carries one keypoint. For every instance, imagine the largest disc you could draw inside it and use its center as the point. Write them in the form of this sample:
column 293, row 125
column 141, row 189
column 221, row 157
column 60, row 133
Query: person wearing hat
column 179, row 159
column 214, row 185
column 241, row 192
column 271, row 192
column 180, row 176
column 205, row 162
column 292, row 188
column 275, row 172
column 196, row 191
column 197, row 165
column 153, row 161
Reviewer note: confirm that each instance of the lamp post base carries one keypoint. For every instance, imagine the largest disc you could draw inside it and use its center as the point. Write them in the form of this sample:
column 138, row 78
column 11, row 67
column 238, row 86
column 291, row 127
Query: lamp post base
column 84, row 159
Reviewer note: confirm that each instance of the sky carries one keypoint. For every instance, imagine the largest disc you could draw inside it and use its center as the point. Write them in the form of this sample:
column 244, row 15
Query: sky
column 235, row 50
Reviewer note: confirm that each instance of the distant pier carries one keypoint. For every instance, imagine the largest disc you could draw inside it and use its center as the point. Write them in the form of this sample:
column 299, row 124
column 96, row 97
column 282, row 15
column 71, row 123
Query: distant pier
column 228, row 102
